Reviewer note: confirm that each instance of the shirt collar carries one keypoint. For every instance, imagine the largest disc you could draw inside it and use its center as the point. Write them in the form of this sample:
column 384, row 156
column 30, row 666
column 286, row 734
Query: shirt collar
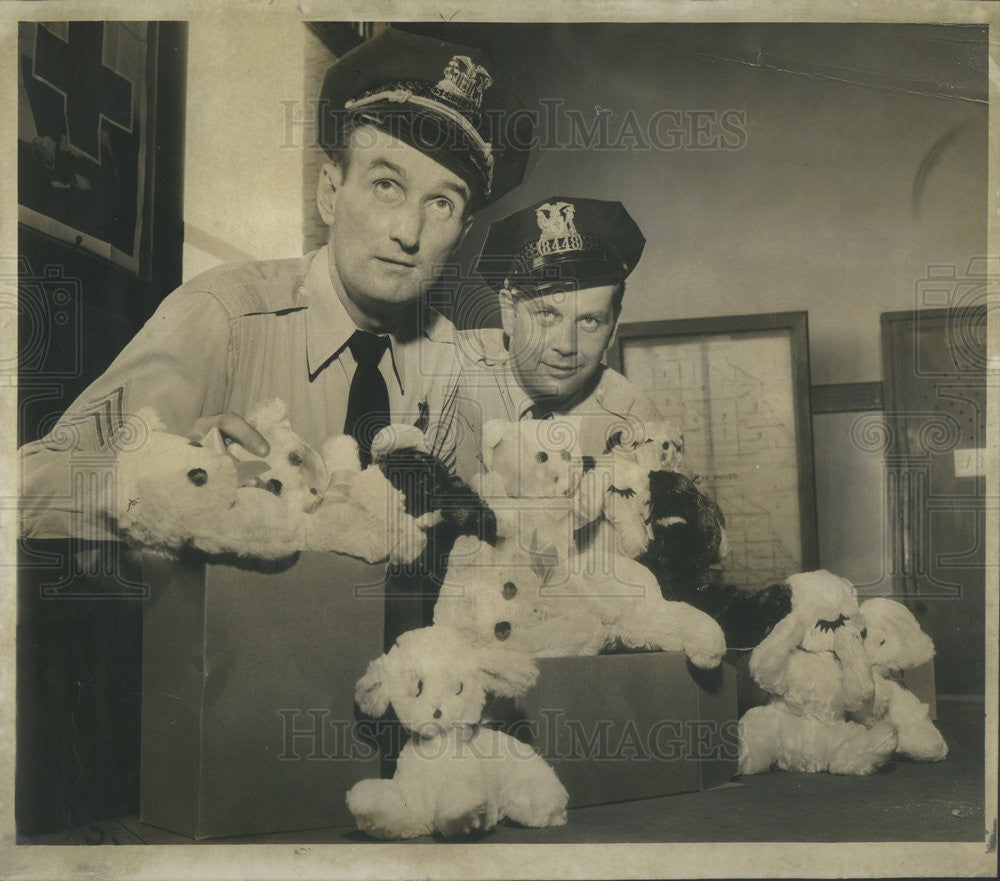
column 519, row 401
column 328, row 326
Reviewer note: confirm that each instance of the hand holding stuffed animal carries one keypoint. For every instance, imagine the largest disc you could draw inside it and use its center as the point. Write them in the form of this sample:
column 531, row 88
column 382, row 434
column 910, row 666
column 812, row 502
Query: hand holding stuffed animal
column 815, row 665
column 455, row 776
column 894, row 642
column 175, row 493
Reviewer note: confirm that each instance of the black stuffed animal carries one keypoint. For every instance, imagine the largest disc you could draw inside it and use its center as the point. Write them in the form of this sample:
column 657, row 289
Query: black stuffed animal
column 428, row 486
column 687, row 534
column 687, row 528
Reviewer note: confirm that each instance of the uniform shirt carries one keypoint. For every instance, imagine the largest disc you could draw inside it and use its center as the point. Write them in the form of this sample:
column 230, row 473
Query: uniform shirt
column 489, row 390
column 225, row 340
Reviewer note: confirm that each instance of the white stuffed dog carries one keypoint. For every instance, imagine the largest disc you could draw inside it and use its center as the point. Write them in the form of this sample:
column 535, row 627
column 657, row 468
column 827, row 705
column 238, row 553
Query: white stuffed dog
column 894, row 642
column 500, row 596
column 815, row 666
column 454, row 776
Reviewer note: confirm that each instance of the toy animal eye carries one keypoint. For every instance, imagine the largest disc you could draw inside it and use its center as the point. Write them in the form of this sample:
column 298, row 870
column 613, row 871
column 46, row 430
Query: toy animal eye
column 193, row 444
column 294, row 458
column 461, row 685
column 273, row 486
column 509, row 590
column 666, row 445
column 197, row 476
column 864, row 633
column 564, row 455
column 420, row 687
column 542, row 456
column 502, row 630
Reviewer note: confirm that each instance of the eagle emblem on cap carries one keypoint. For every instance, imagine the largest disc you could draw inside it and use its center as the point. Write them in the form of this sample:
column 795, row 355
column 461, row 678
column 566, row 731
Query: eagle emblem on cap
column 555, row 220
column 466, row 80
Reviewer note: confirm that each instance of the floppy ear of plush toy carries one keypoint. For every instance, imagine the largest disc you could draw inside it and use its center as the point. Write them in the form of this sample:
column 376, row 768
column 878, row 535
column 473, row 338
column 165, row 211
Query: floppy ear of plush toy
column 894, row 642
column 454, row 777
column 500, row 596
column 815, row 666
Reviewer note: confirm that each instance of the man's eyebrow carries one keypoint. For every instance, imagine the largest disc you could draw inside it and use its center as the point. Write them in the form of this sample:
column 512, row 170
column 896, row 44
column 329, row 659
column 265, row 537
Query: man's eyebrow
column 380, row 162
column 459, row 189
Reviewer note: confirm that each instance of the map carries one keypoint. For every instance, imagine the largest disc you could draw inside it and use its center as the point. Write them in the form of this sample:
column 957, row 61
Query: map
column 732, row 397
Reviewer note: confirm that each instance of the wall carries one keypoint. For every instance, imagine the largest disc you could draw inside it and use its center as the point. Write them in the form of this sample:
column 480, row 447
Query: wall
column 244, row 165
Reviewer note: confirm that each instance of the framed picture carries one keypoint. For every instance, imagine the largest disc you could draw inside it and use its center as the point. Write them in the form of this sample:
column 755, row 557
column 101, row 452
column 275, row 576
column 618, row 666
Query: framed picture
column 738, row 388
column 86, row 130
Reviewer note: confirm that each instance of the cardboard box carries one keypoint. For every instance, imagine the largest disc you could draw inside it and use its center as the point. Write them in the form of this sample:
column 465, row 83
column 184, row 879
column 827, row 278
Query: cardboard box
column 248, row 716
column 622, row 727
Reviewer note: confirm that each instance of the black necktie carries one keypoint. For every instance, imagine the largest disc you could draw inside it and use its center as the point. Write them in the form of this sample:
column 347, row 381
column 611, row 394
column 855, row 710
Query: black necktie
column 368, row 401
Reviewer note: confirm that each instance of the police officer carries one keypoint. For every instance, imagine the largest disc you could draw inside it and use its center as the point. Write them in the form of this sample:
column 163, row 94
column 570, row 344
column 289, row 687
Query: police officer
column 420, row 134
column 559, row 268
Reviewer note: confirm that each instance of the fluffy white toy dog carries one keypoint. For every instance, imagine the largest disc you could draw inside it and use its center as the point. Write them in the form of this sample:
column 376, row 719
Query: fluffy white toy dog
column 174, row 493
column 498, row 596
column 893, row 642
column 454, row 776
column 815, row 666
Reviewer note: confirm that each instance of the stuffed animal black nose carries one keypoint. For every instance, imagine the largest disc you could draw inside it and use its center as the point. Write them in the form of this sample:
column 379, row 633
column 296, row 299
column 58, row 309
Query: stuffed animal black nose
column 502, row 630
column 437, row 713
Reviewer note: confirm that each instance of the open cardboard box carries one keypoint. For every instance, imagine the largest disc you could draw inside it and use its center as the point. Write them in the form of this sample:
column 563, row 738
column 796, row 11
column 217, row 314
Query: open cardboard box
column 629, row 726
column 248, row 716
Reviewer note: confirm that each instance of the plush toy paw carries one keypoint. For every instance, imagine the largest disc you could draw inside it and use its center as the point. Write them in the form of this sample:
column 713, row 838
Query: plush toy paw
column 864, row 751
column 705, row 644
column 463, row 812
column 922, row 742
column 541, row 804
column 381, row 810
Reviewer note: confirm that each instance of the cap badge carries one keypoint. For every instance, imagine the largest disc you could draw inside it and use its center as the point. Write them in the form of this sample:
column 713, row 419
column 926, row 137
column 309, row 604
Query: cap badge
column 465, row 80
column 555, row 220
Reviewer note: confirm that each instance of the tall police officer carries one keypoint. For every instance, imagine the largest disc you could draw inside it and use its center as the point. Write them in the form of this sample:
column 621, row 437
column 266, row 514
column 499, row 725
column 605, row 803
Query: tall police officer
column 420, row 134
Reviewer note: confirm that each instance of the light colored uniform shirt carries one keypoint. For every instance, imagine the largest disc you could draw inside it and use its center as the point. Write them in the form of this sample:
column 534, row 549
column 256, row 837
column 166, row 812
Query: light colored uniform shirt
column 225, row 340
column 489, row 390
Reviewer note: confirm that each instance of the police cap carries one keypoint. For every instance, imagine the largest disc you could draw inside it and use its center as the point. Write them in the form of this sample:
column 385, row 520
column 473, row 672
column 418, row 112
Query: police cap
column 559, row 244
column 441, row 98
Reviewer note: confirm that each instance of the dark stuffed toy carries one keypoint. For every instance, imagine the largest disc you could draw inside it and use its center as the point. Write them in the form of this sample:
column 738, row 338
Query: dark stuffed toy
column 688, row 539
column 454, row 508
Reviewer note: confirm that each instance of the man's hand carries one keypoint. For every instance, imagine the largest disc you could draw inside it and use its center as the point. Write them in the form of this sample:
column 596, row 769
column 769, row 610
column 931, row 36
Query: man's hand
column 233, row 428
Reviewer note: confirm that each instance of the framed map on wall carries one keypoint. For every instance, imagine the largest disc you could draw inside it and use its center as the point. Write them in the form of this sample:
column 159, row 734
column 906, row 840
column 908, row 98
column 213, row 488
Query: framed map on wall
column 738, row 388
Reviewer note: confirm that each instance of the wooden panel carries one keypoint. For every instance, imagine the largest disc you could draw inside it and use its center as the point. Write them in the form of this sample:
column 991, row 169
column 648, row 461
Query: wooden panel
column 846, row 397
column 935, row 362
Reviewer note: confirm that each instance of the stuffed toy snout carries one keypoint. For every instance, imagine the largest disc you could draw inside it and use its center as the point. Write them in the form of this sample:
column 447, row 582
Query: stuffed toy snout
column 435, row 680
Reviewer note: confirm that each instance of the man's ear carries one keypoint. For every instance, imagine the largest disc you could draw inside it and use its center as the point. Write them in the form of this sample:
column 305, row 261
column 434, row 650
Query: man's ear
column 507, row 311
column 466, row 226
column 331, row 176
